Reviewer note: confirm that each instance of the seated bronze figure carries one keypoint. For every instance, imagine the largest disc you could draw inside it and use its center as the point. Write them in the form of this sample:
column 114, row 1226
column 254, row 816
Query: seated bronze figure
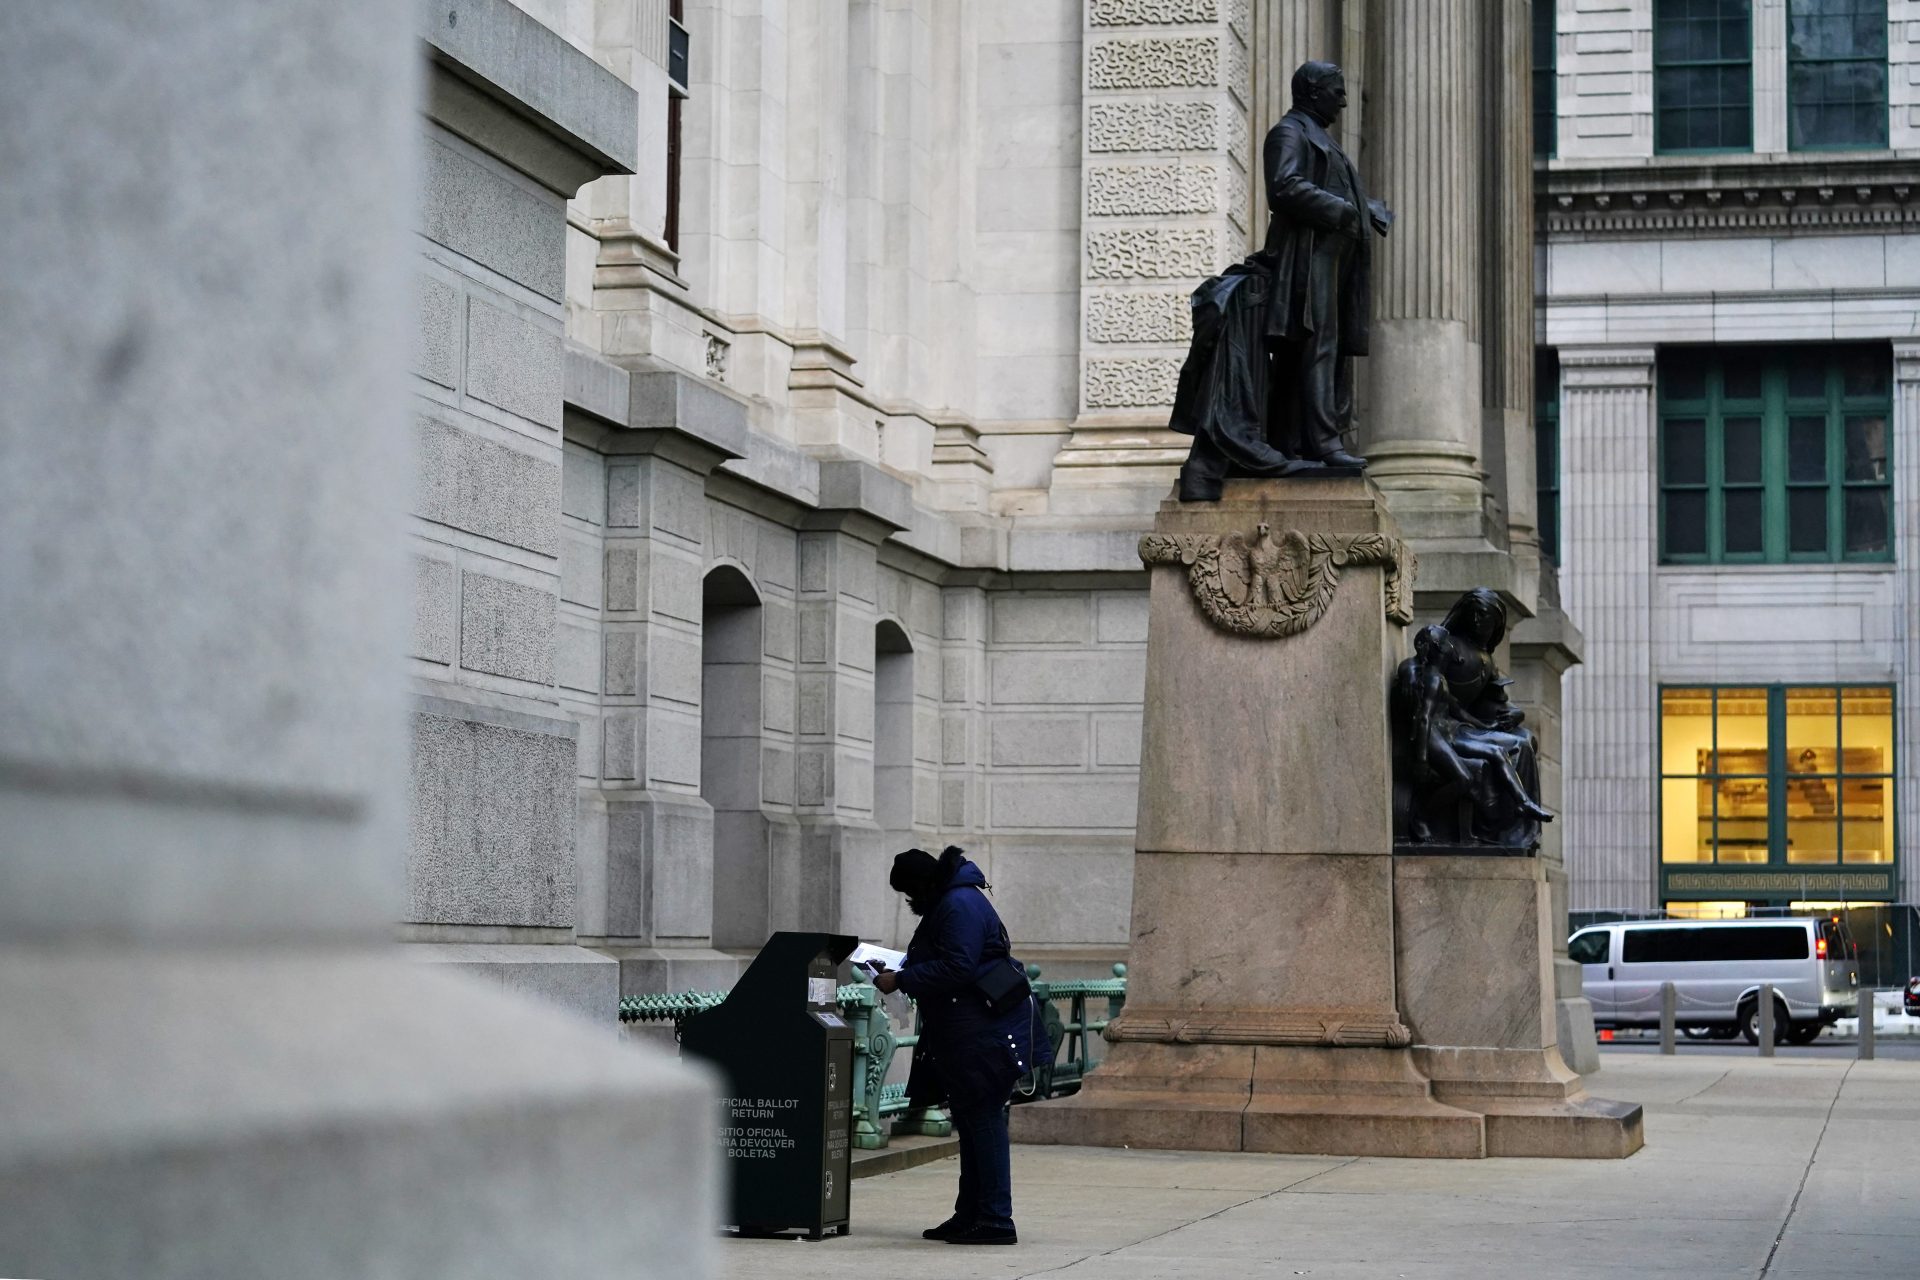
column 1465, row 771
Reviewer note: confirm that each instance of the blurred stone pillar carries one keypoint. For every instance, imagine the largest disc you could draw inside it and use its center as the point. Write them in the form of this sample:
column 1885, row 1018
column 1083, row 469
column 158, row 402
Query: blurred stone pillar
column 208, row 1068
column 1424, row 410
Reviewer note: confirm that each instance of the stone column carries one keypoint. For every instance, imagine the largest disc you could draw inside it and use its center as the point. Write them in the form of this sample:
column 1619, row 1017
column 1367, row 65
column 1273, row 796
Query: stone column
column 1287, row 33
column 1608, row 546
column 1166, row 203
column 1423, row 416
column 1507, row 368
column 214, row 1065
column 1906, row 550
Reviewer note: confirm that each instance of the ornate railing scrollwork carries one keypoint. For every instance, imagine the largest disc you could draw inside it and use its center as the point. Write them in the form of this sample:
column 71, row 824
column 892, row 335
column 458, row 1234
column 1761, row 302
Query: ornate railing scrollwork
column 1272, row 586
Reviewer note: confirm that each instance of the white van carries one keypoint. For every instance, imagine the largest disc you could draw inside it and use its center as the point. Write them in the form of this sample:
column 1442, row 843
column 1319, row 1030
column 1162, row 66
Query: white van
column 1716, row 967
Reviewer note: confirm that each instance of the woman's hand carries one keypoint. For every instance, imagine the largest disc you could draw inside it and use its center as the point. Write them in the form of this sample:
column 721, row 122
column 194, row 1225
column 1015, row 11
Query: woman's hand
column 886, row 981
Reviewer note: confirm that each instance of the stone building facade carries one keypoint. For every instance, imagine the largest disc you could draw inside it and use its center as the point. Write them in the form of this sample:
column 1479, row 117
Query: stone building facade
column 783, row 456
column 1729, row 282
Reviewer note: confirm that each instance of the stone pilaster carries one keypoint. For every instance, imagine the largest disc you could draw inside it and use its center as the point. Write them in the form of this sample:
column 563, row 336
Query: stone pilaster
column 1605, row 69
column 1166, row 192
column 1607, row 552
column 491, row 860
column 1906, row 549
column 837, row 601
column 1424, row 413
column 1903, row 84
column 1769, row 76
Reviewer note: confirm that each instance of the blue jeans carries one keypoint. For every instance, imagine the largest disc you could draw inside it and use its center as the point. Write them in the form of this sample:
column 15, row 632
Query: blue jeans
column 986, row 1169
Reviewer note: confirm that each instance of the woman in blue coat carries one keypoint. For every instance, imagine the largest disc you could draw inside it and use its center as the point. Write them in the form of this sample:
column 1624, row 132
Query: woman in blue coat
column 978, row 1025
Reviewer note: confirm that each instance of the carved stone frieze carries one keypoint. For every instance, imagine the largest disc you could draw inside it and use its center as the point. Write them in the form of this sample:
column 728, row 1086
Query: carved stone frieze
column 1117, row 190
column 1153, row 126
column 1330, row 1027
column 1268, row 585
column 1151, row 13
column 1170, row 62
column 1141, row 382
column 1151, row 253
column 1140, row 317
column 1236, row 70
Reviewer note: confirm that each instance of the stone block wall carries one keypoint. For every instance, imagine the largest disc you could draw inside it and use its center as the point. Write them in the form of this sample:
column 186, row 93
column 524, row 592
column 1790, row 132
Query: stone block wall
column 490, row 865
column 492, row 837
column 1065, row 676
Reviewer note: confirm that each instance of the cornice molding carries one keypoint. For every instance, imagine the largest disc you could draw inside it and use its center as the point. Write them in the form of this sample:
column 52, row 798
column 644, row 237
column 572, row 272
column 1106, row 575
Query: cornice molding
column 1824, row 194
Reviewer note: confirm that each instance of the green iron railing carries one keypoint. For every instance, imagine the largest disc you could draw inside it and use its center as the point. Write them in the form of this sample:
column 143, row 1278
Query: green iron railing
column 875, row 1043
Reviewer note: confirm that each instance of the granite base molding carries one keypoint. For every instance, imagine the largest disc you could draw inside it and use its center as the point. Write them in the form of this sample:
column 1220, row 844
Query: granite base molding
column 1276, row 1099
column 1342, row 1027
column 1298, row 1100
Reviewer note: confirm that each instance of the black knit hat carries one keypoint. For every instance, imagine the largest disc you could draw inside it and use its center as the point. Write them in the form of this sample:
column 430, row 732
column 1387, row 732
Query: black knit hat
column 914, row 873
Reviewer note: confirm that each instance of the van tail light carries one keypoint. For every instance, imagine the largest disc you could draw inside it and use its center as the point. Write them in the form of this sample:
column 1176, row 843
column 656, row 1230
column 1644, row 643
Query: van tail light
column 1820, row 948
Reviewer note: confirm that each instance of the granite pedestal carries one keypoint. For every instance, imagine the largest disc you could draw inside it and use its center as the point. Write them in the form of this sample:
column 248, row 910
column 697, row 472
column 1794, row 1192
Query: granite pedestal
column 1281, row 996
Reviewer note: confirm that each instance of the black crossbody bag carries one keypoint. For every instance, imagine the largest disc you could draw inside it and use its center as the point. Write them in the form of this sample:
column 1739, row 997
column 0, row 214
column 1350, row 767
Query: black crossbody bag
column 1003, row 986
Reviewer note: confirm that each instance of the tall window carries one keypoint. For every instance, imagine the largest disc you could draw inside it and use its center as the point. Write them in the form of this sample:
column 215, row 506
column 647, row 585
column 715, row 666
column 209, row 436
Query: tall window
column 1772, row 455
column 1781, row 774
column 1836, row 74
column 676, row 10
column 1703, row 75
column 1546, row 92
column 1546, row 450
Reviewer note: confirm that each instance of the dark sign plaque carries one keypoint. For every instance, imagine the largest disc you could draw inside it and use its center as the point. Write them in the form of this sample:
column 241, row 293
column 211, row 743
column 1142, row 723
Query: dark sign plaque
column 786, row 1116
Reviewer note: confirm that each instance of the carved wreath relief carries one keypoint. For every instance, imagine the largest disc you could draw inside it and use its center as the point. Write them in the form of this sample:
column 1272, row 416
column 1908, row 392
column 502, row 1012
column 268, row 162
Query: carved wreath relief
column 1273, row 586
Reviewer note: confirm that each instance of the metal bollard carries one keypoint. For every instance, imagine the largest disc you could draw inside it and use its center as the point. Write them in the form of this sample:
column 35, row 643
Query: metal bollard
column 1866, row 1024
column 1766, row 1020
column 1669, row 1003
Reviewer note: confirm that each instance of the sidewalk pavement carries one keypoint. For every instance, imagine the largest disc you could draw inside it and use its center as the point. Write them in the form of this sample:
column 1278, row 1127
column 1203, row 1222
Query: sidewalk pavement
column 1781, row 1168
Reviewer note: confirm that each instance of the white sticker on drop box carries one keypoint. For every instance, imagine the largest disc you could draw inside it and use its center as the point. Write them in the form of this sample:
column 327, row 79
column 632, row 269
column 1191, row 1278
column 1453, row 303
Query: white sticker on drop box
column 821, row 991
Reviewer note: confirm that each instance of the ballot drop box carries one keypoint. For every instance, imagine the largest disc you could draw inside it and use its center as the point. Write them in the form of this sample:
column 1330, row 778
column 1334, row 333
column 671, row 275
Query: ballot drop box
column 786, row 1110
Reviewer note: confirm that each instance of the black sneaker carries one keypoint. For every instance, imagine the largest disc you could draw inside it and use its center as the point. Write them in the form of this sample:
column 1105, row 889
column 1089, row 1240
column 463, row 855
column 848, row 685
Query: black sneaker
column 984, row 1235
column 947, row 1230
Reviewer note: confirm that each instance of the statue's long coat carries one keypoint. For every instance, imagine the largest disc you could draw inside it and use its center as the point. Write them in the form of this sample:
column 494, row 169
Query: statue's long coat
column 1301, row 159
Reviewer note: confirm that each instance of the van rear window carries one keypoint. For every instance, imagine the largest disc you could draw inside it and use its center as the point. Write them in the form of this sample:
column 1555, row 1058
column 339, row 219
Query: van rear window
column 1686, row 946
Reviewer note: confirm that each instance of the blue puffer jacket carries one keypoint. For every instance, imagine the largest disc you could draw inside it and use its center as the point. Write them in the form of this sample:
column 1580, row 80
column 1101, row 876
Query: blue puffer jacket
column 966, row 1056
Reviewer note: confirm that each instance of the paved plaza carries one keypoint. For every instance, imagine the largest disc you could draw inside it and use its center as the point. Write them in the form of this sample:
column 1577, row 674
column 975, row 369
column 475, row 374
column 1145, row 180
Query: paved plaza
column 1800, row 1166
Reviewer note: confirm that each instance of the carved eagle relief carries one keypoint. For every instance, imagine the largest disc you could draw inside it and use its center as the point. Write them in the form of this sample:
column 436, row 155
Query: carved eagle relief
column 1260, row 584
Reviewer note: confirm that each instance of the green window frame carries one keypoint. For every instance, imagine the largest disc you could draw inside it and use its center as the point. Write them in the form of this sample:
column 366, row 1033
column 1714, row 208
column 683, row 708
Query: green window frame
column 1546, row 450
column 1776, row 455
column 1836, row 74
column 1777, row 800
column 1546, row 83
column 1702, row 75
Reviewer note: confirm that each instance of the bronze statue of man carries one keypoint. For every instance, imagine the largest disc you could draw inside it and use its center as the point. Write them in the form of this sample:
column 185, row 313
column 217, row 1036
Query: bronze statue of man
column 1272, row 394
column 1317, row 225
